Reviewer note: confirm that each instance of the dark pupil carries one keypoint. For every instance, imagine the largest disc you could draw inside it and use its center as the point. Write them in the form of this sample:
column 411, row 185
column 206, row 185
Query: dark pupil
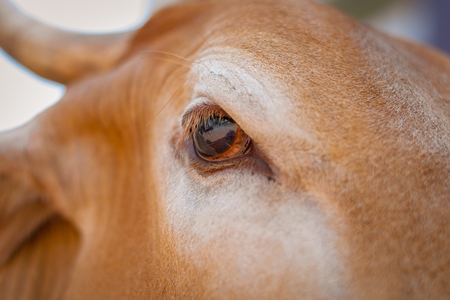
column 215, row 136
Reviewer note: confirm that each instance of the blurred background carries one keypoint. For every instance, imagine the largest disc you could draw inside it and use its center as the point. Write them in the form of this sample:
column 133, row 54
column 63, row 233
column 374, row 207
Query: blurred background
column 23, row 95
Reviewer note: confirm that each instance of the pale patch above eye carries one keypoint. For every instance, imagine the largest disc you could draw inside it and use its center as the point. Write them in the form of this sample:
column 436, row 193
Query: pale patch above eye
column 219, row 138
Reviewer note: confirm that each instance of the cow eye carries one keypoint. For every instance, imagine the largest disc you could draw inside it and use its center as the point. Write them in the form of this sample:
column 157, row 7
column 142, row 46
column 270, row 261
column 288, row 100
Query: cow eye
column 220, row 138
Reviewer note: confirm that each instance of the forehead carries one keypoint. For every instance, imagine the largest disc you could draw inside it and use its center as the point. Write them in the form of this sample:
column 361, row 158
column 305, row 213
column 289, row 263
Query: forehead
column 292, row 68
column 299, row 64
column 293, row 44
column 283, row 35
column 273, row 63
column 310, row 48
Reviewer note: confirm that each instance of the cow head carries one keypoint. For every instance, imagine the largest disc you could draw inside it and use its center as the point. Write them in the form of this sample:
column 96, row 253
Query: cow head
column 230, row 149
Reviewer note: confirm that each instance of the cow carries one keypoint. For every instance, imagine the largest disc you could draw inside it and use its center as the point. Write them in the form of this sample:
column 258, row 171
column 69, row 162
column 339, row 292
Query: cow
column 258, row 149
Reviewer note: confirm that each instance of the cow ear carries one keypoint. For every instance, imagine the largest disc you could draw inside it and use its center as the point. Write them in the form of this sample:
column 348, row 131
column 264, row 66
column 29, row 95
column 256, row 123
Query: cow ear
column 22, row 209
column 37, row 246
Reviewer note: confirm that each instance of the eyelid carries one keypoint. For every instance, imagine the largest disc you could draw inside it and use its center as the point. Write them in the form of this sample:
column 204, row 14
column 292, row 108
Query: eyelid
column 198, row 111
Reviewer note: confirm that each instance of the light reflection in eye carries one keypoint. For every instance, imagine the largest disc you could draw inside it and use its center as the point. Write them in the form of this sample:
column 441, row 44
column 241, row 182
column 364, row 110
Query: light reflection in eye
column 215, row 136
column 219, row 138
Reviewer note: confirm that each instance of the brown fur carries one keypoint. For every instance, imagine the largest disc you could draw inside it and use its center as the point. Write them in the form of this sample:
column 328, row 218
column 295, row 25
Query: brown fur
column 90, row 206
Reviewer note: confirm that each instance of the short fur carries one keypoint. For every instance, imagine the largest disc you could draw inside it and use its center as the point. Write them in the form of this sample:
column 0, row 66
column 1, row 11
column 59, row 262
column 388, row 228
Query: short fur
column 344, row 194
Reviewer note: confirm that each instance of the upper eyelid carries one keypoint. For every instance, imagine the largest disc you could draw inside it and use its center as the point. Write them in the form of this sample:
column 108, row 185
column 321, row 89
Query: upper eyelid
column 197, row 111
column 198, row 104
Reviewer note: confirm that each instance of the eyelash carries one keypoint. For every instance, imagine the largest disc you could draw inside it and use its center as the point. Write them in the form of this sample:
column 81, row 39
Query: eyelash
column 200, row 115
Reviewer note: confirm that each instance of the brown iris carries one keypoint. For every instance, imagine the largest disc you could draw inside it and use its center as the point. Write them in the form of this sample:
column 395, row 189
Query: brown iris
column 220, row 138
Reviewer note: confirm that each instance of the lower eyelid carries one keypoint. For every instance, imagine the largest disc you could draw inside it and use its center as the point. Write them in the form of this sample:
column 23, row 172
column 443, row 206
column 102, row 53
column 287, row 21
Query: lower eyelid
column 248, row 161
